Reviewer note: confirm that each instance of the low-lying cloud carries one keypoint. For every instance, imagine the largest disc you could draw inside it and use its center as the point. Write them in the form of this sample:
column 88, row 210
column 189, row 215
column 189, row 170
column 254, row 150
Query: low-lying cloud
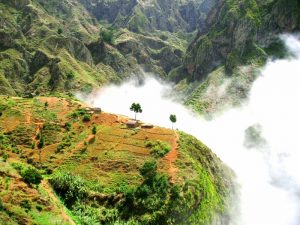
column 269, row 171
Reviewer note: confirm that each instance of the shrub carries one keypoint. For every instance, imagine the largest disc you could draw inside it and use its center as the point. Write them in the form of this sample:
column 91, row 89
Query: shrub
column 25, row 204
column 65, row 144
column 59, row 30
column 41, row 143
column 88, row 215
column 69, row 187
column 158, row 148
column 94, row 130
column 1, row 205
column 86, row 118
column 107, row 35
column 5, row 157
column 39, row 208
column 30, row 161
column 31, row 176
column 70, row 75
column 148, row 169
column 77, row 113
column 68, row 126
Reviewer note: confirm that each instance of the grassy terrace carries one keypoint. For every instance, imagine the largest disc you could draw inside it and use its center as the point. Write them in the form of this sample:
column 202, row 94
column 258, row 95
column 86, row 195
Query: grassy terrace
column 97, row 171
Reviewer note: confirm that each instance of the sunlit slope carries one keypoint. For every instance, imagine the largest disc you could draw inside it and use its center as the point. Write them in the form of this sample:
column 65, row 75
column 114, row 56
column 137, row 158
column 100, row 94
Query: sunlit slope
column 104, row 172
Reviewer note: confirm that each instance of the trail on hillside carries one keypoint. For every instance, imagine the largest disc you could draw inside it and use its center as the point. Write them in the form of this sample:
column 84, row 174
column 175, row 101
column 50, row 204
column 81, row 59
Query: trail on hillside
column 56, row 201
column 171, row 158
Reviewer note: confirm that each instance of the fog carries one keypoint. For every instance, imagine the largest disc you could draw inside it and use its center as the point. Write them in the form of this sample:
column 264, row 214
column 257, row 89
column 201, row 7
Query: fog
column 259, row 140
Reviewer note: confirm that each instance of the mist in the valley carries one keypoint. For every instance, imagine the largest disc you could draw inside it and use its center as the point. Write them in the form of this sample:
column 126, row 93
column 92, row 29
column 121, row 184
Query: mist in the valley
column 259, row 140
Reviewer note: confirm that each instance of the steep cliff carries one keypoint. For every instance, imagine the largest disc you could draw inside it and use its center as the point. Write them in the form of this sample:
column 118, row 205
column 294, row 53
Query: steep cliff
column 240, row 32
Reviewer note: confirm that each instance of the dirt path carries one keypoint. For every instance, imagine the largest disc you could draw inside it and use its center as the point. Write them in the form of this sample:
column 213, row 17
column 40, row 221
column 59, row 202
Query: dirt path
column 170, row 159
column 53, row 198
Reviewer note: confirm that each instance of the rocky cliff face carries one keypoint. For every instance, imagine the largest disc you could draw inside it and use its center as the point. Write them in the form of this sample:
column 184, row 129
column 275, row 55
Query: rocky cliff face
column 238, row 33
column 53, row 39
column 56, row 45
column 151, row 15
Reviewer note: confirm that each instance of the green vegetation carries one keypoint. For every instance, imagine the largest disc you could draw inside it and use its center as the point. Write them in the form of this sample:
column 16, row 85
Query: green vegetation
column 136, row 108
column 31, row 176
column 70, row 188
column 173, row 119
column 115, row 176
column 158, row 148
column 59, row 30
column 94, row 130
column 86, row 118
column 107, row 35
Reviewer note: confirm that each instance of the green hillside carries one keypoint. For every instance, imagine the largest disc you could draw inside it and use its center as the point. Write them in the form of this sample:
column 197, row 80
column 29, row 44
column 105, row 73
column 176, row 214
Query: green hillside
column 94, row 170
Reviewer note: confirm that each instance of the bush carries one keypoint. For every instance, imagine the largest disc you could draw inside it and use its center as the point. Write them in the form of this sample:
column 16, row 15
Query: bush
column 31, row 176
column 59, row 30
column 25, row 204
column 94, row 130
column 70, row 75
column 41, row 143
column 1, row 205
column 88, row 215
column 107, row 35
column 158, row 148
column 77, row 113
column 68, row 126
column 86, row 118
column 149, row 169
column 5, row 157
column 70, row 188
column 65, row 144
column 39, row 208
column 151, row 201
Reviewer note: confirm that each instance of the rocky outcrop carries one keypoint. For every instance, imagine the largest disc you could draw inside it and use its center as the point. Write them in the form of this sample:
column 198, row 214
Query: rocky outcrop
column 150, row 15
column 39, row 60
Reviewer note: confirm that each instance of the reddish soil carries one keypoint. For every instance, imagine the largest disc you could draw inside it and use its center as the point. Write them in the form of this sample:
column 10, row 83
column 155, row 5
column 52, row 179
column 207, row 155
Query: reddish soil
column 170, row 159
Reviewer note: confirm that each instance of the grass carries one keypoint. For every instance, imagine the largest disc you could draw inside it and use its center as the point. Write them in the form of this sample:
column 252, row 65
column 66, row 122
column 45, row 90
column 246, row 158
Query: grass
column 104, row 166
column 21, row 203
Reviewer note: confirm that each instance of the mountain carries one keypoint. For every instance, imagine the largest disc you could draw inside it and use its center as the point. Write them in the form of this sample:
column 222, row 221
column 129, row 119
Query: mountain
column 62, row 162
column 77, row 45
column 54, row 46
column 242, row 36
column 95, row 170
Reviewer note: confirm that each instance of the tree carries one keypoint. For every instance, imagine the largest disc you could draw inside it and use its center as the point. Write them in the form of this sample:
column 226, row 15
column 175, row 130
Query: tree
column 136, row 107
column 31, row 176
column 173, row 119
